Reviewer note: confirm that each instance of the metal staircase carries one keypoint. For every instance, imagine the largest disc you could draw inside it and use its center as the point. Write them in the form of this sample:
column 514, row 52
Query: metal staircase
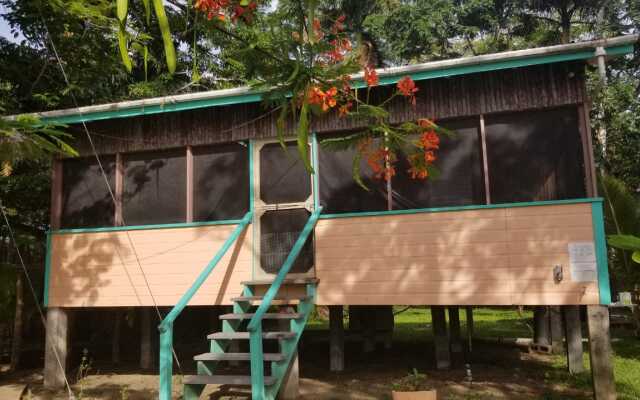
column 235, row 328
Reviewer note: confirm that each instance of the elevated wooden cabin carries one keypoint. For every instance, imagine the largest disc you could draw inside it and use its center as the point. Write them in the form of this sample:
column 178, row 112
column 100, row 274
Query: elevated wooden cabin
column 514, row 218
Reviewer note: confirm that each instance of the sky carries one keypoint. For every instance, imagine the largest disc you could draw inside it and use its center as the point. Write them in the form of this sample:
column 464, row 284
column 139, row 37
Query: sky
column 5, row 30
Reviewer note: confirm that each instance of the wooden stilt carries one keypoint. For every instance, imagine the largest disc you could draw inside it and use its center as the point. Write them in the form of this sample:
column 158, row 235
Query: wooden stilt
column 290, row 389
column 368, row 319
column 454, row 329
column 146, row 353
column 600, row 353
column 469, row 322
column 387, row 324
column 541, row 328
column 336, row 339
column 440, row 339
column 115, row 339
column 56, row 344
column 557, row 329
column 574, row 339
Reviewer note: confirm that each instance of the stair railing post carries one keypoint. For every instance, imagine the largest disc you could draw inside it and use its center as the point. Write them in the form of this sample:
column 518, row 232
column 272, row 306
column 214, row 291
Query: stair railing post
column 166, row 360
column 257, row 363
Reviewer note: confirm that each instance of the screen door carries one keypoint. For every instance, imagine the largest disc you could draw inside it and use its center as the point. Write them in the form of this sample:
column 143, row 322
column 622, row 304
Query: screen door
column 283, row 200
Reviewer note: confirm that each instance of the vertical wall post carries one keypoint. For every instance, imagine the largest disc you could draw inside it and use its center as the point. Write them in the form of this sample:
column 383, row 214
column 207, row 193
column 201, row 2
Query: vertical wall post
column 336, row 339
column 440, row 338
column 190, row 185
column 56, row 347
column 485, row 161
column 146, row 354
column 600, row 353
column 573, row 330
column 56, row 194
column 119, row 220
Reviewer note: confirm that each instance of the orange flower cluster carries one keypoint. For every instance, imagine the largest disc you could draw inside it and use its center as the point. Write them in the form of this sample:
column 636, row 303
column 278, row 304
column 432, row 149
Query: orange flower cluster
column 344, row 109
column 407, row 87
column 338, row 26
column 371, row 76
column 219, row 9
column 326, row 99
column 428, row 142
column 381, row 161
column 341, row 47
column 213, row 8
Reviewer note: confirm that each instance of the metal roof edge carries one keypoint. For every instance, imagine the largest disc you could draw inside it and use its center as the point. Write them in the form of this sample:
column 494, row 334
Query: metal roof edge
column 436, row 69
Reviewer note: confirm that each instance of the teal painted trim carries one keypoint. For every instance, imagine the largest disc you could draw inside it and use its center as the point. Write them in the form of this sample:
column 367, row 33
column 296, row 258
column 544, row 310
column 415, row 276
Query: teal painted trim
column 47, row 271
column 166, row 363
column 148, row 227
column 166, row 326
column 599, row 236
column 155, row 109
column 316, row 169
column 257, row 364
column 251, row 178
column 461, row 208
column 385, row 80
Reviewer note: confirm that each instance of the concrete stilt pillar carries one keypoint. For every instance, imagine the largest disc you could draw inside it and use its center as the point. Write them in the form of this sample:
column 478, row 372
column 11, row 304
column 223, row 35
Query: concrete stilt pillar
column 600, row 353
column 440, row 337
column 454, row 329
column 146, row 352
column 573, row 330
column 557, row 329
column 56, row 348
column 290, row 389
column 336, row 339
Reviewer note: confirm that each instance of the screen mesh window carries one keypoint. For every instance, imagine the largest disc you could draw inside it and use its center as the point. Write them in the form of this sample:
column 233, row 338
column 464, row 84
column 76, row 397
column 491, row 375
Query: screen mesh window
column 86, row 202
column 154, row 187
column 338, row 191
column 534, row 156
column 221, row 182
column 459, row 164
column 279, row 231
column 283, row 177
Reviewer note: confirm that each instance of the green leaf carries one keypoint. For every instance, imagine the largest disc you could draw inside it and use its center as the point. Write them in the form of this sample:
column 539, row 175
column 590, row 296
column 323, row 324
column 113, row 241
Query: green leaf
column 624, row 242
column 124, row 51
column 145, row 57
column 147, row 11
column 122, row 8
column 281, row 123
column 303, row 137
column 355, row 170
column 165, row 30
column 636, row 256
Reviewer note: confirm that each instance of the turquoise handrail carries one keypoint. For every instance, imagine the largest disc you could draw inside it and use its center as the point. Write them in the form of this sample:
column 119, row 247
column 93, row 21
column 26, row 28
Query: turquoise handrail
column 255, row 325
column 166, row 326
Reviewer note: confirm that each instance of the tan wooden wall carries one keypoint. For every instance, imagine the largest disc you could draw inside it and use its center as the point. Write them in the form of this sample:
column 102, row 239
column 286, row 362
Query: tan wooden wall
column 490, row 256
column 100, row 269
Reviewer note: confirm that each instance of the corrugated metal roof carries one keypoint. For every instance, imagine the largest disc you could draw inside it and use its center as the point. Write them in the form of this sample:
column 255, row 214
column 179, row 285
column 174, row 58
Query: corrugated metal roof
column 437, row 69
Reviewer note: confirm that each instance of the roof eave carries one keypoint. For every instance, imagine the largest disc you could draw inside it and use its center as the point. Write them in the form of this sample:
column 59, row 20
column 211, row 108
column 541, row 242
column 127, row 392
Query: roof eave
column 467, row 65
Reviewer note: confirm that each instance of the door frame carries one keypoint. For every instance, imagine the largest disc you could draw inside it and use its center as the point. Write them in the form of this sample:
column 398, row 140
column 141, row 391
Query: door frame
column 259, row 207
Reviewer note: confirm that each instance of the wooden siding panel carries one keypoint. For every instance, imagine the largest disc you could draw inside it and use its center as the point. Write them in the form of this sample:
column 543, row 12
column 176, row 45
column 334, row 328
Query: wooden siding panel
column 494, row 256
column 102, row 270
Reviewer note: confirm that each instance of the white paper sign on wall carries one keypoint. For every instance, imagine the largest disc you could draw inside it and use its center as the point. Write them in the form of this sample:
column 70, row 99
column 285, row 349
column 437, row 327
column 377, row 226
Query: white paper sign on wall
column 582, row 262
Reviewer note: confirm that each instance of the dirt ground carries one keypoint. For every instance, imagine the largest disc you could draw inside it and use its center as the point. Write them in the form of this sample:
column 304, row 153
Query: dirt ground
column 497, row 372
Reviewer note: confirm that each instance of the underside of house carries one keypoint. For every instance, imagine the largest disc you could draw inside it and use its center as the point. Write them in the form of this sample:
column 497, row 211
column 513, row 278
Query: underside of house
column 192, row 200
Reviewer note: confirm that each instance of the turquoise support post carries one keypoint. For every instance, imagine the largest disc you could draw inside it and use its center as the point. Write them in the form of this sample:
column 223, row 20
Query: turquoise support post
column 604, row 288
column 255, row 325
column 166, row 327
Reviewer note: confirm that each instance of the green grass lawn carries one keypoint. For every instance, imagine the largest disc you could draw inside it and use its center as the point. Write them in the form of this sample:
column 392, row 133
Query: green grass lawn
column 415, row 324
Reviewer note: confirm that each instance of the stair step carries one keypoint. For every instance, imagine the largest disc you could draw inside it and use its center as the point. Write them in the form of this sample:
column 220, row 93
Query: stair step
column 237, row 380
column 287, row 281
column 236, row 357
column 245, row 335
column 285, row 299
column 265, row 316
